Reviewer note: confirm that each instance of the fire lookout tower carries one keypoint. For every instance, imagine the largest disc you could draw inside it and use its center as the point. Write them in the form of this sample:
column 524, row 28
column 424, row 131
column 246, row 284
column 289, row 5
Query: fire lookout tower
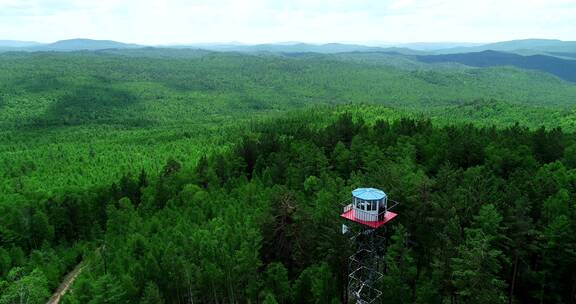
column 369, row 212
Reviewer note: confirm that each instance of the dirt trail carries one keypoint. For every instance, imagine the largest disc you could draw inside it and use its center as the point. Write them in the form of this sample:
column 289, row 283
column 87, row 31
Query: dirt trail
column 65, row 285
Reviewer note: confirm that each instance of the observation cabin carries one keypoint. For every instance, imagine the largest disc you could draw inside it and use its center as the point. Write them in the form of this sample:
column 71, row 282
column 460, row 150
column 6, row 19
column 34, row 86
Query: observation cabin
column 369, row 207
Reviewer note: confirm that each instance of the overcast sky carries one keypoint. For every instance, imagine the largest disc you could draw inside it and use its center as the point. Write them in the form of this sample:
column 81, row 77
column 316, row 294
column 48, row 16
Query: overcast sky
column 259, row 21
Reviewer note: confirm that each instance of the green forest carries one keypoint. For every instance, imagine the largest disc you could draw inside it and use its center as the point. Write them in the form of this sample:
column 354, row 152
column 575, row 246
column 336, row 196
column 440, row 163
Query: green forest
column 189, row 176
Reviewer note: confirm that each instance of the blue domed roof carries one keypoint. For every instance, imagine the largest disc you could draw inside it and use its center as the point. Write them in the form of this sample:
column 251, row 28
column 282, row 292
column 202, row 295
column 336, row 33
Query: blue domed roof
column 369, row 194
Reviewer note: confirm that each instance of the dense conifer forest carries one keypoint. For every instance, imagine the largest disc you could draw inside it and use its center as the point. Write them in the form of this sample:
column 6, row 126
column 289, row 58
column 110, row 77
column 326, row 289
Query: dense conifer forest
column 486, row 217
column 183, row 176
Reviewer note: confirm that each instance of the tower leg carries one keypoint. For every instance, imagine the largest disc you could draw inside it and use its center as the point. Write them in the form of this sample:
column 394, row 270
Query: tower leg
column 365, row 268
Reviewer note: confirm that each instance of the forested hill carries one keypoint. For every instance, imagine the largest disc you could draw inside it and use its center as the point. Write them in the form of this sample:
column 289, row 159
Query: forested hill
column 65, row 116
column 542, row 46
column 171, row 173
column 83, row 44
column 487, row 216
column 565, row 69
column 52, row 89
column 525, row 46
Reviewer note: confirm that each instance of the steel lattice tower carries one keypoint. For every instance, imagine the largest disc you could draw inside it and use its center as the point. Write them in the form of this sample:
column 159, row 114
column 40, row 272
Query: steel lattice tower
column 369, row 212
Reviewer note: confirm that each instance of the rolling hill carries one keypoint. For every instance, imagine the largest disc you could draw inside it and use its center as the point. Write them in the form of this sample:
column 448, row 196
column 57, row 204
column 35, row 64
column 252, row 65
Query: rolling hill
column 565, row 69
column 329, row 48
column 519, row 46
column 526, row 46
column 558, row 48
column 86, row 87
column 17, row 44
column 64, row 45
column 166, row 173
column 84, row 44
column 161, row 95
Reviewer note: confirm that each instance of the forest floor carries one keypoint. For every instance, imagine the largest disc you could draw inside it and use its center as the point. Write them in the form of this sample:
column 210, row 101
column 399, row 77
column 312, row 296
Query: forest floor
column 66, row 283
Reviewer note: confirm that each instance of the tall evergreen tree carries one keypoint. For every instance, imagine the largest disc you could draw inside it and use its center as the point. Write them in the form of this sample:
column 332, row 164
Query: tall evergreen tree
column 477, row 267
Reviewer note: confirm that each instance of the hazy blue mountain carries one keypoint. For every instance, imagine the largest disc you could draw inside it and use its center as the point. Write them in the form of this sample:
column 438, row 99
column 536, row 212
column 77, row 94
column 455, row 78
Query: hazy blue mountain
column 330, row 48
column 156, row 52
column 83, row 44
column 546, row 45
column 565, row 69
column 17, row 44
column 520, row 46
column 525, row 47
column 433, row 46
column 398, row 51
column 564, row 55
column 557, row 48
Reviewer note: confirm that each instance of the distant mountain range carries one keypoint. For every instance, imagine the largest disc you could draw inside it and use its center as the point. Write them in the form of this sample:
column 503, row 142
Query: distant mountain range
column 434, row 46
column 65, row 45
column 556, row 48
column 85, row 44
column 551, row 56
column 17, row 44
column 565, row 69
column 525, row 46
column 329, row 48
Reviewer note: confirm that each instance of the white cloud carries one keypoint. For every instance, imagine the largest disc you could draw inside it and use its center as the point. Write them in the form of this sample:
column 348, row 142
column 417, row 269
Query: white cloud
column 254, row 21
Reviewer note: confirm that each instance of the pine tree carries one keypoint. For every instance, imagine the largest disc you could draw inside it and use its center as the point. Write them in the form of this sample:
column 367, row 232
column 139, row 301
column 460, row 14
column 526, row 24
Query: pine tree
column 269, row 299
column 477, row 266
column 316, row 285
column 557, row 277
column 40, row 229
column 398, row 282
column 152, row 294
column 25, row 288
column 341, row 159
column 276, row 282
column 107, row 290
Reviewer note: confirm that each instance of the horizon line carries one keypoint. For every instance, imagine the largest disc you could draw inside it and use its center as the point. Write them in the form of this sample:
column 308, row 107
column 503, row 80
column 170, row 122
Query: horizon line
column 288, row 42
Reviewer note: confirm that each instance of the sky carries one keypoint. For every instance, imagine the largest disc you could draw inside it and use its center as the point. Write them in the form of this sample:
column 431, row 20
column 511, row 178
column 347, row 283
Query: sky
column 157, row 22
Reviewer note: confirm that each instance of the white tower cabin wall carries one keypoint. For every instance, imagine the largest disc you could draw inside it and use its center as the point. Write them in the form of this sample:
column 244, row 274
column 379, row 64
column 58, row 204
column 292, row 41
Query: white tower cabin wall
column 369, row 210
